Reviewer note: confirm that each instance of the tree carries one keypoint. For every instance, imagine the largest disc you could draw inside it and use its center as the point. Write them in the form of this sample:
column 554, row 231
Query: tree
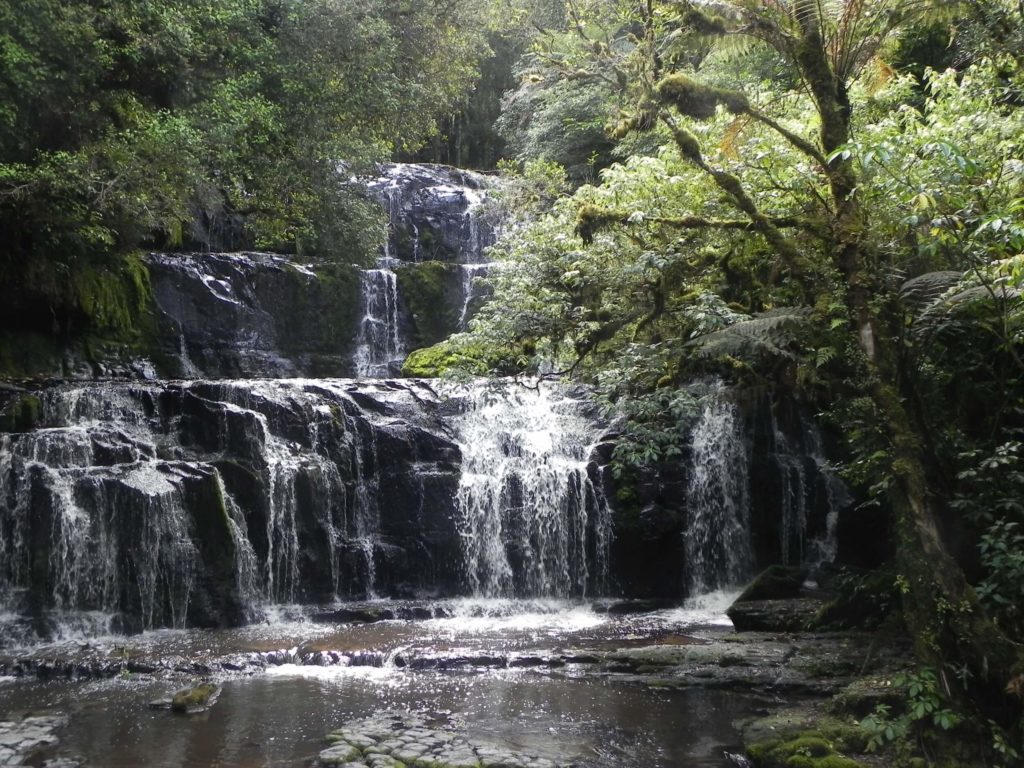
column 782, row 181
column 123, row 124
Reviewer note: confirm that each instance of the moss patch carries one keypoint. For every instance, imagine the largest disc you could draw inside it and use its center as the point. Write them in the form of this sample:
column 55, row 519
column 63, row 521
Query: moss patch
column 432, row 293
column 808, row 750
column 697, row 100
column 456, row 354
column 196, row 699
column 21, row 414
column 320, row 316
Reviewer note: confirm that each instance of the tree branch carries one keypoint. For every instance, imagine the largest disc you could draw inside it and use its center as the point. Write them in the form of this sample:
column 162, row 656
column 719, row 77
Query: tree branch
column 797, row 141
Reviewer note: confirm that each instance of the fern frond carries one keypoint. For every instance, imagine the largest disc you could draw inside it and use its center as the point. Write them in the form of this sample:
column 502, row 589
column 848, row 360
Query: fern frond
column 942, row 296
column 731, row 137
column 925, row 289
column 767, row 333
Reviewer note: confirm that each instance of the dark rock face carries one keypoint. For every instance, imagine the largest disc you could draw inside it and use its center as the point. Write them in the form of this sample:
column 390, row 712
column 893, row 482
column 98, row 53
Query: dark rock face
column 435, row 212
column 791, row 505
column 191, row 504
column 228, row 315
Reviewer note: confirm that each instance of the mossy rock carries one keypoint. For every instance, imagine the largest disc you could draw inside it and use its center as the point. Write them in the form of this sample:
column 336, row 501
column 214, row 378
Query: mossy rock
column 812, row 721
column 776, row 582
column 861, row 697
column 808, row 750
column 431, row 291
column 863, row 601
column 21, row 414
column 193, row 700
column 431, row 362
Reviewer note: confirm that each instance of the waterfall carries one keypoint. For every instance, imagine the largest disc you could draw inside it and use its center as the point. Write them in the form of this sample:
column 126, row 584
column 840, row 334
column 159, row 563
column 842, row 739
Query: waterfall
column 717, row 541
column 531, row 521
column 185, row 503
column 379, row 349
column 807, row 486
column 470, row 273
column 434, row 213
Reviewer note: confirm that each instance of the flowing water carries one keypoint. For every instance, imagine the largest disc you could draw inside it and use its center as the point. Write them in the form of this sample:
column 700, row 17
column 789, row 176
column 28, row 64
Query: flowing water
column 379, row 347
column 280, row 716
column 717, row 539
column 532, row 521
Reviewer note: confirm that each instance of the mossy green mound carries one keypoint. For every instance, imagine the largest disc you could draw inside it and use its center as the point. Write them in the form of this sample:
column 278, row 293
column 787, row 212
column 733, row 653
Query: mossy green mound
column 196, row 699
column 809, row 750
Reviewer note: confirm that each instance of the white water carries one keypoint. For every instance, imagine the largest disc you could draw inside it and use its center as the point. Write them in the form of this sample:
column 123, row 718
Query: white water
column 531, row 521
column 379, row 348
column 717, row 540
column 470, row 274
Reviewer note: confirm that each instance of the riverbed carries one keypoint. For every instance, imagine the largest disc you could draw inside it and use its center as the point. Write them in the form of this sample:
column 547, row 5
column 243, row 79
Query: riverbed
column 527, row 677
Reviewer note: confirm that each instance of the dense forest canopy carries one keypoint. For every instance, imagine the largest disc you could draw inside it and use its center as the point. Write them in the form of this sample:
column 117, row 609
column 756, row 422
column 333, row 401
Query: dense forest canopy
column 822, row 196
column 229, row 124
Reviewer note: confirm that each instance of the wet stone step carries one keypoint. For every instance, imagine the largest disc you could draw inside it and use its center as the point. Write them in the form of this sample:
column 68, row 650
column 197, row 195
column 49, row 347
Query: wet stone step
column 404, row 740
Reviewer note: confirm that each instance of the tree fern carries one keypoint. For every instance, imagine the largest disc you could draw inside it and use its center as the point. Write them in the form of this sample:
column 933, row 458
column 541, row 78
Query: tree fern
column 770, row 333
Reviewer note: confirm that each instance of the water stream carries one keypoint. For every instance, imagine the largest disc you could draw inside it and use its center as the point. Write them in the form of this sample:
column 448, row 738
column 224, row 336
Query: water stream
column 280, row 717
column 717, row 539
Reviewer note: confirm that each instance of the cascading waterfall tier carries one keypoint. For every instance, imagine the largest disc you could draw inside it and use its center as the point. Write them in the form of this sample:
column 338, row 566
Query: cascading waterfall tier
column 197, row 503
column 436, row 213
column 531, row 520
column 717, row 540
column 810, row 495
column 379, row 346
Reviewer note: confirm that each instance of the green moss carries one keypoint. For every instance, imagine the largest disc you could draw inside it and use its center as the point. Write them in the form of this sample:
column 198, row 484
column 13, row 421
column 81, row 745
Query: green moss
column 318, row 316
column 591, row 219
column 443, row 358
column 807, row 750
column 432, row 292
column 115, row 297
column 194, row 699
column 697, row 100
column 21, row 414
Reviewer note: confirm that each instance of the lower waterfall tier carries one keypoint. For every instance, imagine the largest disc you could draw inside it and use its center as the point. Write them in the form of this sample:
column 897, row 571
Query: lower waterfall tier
column 130, row 506
column 199, row 503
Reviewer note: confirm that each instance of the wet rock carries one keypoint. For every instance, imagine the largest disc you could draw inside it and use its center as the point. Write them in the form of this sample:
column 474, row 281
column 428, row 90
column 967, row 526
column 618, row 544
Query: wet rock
column 26, row 740
column 394, row 740
column 192, row 701
column 252, row 315
column 774, row 615
column 627, row 607
column 777, row 582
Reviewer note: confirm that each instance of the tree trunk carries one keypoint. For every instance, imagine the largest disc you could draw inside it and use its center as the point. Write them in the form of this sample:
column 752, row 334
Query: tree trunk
column 944, row 617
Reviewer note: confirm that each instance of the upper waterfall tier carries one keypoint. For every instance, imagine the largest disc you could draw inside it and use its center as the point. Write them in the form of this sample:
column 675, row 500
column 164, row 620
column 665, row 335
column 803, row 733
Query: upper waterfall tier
column 436, row 213
column 259, row 315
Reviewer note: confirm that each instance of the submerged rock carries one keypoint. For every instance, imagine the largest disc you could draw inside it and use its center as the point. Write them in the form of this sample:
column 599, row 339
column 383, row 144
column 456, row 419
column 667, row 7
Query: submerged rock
column 394, row 740
column 191, row 701
column 25, row 741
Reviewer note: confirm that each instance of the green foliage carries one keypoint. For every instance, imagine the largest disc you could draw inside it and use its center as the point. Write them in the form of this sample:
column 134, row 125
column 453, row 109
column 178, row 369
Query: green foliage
column 560, row 121
column 925, row 706
column 1002, row 588
column 121, row 124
